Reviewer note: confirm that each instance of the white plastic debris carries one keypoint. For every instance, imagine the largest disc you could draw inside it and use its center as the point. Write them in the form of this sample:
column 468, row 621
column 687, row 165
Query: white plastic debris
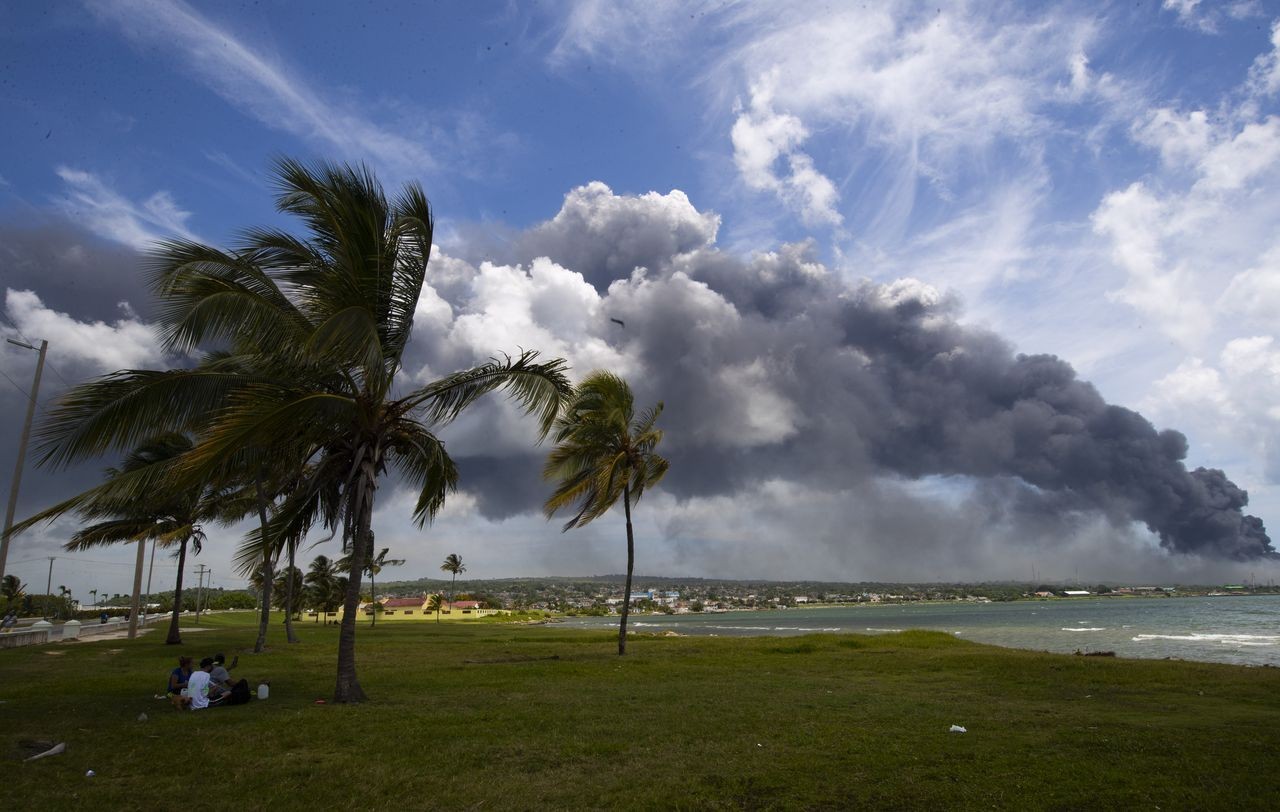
column 90, row 774
column 958, row 729
column 60, row 747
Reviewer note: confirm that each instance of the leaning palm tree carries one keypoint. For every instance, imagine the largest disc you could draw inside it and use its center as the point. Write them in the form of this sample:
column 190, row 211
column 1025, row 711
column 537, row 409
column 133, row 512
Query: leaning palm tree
column 604, row 452
column 144, row 499
column 314, row 328
column 453, row 563
column 435, row 602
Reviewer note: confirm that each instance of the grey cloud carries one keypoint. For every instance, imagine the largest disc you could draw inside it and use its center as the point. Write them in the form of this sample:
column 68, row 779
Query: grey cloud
column 771, row 367
column 73, row 270
column 605, row 236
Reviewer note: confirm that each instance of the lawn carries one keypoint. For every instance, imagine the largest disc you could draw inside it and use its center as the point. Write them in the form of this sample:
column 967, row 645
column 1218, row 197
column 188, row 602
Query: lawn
column 486, row 716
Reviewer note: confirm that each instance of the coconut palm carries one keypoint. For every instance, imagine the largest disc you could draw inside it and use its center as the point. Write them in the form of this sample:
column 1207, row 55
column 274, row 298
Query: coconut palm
column 373, row 566
column 144, row 499
column 288, row 596
column 435, row 603
column 453, row 563
column 604, row 452
column 316, row 329
column 321, row 578
column 12, row 589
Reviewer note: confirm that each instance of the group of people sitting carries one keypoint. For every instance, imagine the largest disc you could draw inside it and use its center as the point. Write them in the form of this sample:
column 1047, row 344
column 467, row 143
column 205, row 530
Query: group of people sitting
column 208, row 686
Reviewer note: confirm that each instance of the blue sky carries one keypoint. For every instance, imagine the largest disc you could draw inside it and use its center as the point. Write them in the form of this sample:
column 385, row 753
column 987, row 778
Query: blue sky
column 1093, row 181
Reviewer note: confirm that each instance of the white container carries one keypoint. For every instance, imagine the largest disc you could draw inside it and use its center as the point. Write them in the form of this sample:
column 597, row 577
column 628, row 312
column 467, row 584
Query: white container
column 263, row 690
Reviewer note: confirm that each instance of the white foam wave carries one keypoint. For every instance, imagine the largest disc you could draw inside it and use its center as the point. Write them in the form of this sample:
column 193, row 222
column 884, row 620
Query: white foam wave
column 1084, row 628
column 805, row 629
column 1226, row 639
column 874, row 629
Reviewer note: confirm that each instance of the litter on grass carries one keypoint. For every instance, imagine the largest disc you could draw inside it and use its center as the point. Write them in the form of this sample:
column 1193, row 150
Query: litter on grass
column 958, row 729
column 60, row 747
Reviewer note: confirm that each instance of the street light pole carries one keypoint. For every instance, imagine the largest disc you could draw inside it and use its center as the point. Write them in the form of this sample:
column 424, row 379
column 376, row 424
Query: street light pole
column 22, row 451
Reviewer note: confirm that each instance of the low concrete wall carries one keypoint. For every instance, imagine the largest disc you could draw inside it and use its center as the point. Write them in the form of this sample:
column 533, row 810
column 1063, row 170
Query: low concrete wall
column 27, row 637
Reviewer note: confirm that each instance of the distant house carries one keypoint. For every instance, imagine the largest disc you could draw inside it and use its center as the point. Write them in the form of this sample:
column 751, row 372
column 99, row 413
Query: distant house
column 394, row 609
column 471, row 608
column 402, row 607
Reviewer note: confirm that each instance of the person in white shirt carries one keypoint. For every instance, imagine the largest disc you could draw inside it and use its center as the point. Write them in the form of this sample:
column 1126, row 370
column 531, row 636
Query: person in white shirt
column 198, row 685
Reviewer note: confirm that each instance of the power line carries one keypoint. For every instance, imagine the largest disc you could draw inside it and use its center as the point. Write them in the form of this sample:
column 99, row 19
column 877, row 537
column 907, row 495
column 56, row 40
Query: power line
column 16, row 385
column 47, row 362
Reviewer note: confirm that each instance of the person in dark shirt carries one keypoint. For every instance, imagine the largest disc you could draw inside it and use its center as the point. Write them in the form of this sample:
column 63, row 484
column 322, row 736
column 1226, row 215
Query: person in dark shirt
column 178, row 679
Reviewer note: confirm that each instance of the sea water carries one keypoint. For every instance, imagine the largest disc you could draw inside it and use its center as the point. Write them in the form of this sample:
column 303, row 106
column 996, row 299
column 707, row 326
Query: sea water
column 1243, row 629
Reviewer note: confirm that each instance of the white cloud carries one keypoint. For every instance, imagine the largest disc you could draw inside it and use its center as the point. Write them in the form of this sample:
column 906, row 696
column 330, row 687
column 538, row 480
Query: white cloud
column 265, row 89
column 107, row 213
column 1181, row 139
column 1208, row 17
column 126, row 343
column 762, row 138
column 1264, row 76
column 1234, row 399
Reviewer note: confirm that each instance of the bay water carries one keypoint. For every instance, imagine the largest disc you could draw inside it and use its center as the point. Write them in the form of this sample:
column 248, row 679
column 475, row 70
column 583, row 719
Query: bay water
column 1242, row 629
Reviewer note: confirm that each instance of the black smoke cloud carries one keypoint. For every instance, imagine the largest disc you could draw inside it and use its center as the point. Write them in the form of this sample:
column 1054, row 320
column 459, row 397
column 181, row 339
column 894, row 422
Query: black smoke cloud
column 772, row 367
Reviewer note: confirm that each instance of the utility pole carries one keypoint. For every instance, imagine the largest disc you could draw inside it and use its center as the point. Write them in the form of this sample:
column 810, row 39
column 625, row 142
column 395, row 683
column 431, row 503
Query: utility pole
column 48, row 587
column 200, row 571
column 22, row 452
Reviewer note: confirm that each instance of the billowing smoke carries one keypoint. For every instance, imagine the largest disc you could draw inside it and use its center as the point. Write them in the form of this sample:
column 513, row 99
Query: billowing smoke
column 773, row 368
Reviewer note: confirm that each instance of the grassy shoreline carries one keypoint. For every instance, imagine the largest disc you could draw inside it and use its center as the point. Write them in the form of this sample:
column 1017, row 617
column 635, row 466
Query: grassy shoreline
column 510, row 716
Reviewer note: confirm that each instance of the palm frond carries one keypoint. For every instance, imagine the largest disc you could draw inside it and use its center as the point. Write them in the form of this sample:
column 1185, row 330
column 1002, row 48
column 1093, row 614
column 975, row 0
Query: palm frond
column 540, row 389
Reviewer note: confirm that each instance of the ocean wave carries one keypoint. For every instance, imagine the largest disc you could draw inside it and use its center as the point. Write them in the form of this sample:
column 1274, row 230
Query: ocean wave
column 1226, row 638
column 1084, row 628
column 874, row 629
column 805, row 629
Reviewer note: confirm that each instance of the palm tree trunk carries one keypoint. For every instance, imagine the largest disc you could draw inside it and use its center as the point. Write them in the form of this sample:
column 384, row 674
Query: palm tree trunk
column 265, row 620
column 373, row 600
column 631, row 562
column 174, row 638
column 288, row 595
column 348, row 686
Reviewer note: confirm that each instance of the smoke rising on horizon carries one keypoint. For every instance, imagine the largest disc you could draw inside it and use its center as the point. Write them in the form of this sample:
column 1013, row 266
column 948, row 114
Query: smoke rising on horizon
column 780, row 377
column 773, row 367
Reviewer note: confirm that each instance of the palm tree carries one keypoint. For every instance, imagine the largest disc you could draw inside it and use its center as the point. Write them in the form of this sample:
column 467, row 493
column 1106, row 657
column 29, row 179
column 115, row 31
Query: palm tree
column 604, row 452
column 64, row 600
column 372, row 567
column 435, row 603
column 453, row 563
column 94, row 593
column 320, row 578
column 315, row 329
column 287, row 596
column 143, row 499
column 12, row 590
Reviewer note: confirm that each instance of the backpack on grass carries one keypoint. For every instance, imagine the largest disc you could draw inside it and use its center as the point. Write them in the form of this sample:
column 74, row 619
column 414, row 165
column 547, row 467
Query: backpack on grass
column 239, row 693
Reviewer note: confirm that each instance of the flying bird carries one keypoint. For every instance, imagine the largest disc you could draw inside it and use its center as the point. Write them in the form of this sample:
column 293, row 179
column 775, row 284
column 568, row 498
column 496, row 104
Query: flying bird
column 618, row 322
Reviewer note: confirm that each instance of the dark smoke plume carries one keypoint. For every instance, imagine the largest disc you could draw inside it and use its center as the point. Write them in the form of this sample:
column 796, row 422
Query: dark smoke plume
column 773, row 368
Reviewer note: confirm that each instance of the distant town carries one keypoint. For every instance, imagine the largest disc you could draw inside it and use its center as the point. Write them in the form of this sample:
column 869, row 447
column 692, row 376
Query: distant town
column 602, row 595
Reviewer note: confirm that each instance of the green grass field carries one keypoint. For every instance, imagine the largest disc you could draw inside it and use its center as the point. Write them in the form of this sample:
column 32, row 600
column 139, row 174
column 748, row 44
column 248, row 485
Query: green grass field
column 489, row 716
